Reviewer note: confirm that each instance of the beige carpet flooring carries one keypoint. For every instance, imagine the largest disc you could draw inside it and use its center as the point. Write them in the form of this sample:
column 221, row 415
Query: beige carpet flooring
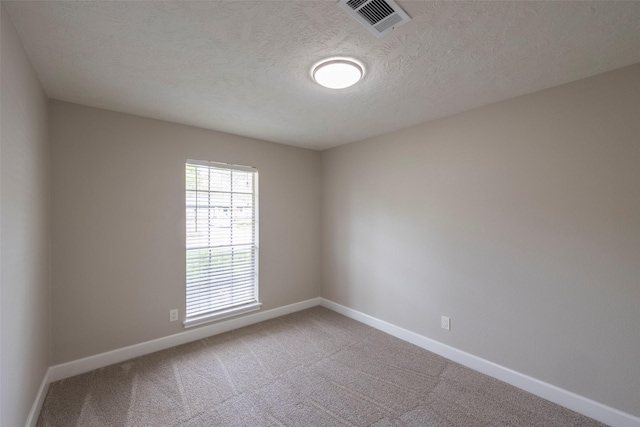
column 311, row 368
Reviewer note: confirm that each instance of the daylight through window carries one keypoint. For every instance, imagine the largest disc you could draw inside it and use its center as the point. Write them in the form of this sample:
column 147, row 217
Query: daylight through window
column 222, row 249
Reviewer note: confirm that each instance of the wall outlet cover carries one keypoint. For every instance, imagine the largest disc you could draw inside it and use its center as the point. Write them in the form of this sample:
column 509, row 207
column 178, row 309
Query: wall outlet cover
column 445, row 323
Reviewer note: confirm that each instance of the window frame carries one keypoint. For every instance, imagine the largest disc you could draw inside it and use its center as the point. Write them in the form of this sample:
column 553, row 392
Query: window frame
column 241, row 308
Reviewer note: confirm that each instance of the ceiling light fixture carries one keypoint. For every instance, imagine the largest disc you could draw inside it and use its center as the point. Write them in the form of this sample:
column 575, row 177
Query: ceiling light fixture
column 337, row 73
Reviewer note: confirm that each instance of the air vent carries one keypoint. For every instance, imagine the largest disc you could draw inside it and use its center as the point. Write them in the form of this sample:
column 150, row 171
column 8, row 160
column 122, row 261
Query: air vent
column 378, row 16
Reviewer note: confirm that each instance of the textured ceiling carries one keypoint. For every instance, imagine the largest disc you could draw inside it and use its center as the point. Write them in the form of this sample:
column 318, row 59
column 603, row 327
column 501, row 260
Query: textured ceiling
column 243, row 66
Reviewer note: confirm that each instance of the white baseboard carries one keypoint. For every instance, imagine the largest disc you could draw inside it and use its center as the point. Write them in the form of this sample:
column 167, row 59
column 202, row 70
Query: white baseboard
column 80, row 366
column 32, row 418
column 570, row 400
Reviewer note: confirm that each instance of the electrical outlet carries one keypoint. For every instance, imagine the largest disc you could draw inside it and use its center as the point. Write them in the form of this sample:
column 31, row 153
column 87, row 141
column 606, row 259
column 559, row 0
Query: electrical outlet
column 173, row 315
column 445, row 323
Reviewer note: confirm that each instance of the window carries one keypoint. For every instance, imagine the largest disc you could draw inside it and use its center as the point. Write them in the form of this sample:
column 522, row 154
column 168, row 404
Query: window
column 222, row 249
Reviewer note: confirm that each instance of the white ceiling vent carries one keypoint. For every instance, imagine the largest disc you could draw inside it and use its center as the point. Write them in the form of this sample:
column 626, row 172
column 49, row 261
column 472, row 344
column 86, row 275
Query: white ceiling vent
column 378, row 16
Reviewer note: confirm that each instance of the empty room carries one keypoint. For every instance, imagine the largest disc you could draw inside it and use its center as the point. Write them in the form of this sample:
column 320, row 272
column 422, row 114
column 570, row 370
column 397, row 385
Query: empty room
column 319, row 213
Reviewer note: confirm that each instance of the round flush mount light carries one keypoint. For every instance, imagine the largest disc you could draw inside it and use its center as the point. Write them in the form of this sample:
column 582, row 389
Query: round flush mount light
column 337, row 73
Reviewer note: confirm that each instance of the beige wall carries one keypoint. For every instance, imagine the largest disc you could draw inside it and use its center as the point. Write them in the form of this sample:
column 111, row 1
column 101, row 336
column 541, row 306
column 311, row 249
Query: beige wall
column 24, row 230
column 519, row 220
column 118, row 224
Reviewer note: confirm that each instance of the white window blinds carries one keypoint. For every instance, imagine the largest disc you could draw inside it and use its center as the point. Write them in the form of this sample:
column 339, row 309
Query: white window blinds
column 222, row 251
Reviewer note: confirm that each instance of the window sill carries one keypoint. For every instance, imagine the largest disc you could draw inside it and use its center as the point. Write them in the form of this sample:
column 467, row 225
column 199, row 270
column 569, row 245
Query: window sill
column 201, row 320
